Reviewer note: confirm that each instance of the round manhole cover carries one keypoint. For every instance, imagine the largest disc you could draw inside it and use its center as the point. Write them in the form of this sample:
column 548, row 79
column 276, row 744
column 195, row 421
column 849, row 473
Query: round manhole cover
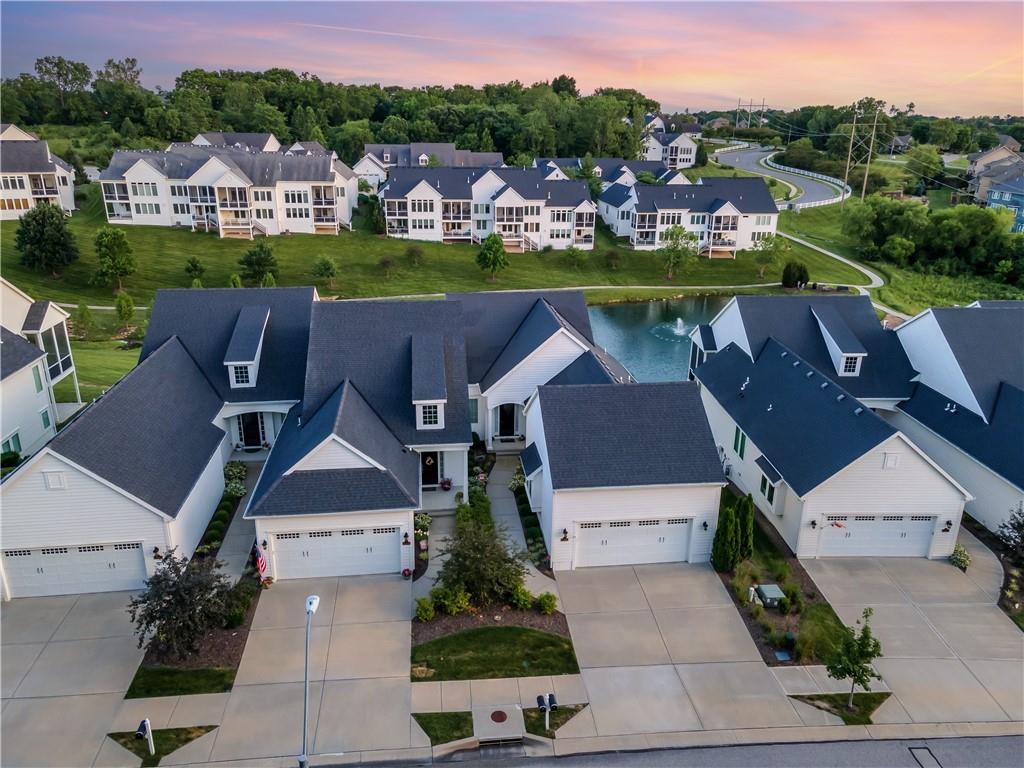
column 498, row 716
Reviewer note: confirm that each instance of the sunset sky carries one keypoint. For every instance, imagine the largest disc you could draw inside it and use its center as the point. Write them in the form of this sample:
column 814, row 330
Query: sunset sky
column 948, row 58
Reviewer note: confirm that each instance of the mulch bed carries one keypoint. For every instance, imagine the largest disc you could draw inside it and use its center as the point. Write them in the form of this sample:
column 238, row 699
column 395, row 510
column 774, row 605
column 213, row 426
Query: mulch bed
column 497, row 616
column 220, row 647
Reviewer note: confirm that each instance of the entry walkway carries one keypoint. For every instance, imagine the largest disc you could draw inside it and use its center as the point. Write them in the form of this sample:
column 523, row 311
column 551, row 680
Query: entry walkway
column 241, row 533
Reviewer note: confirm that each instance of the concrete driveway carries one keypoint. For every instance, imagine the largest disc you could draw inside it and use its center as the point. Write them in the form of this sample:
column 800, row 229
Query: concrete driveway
column 951, row 655
column 360, row 692
column 662, row 648
column 66, row 663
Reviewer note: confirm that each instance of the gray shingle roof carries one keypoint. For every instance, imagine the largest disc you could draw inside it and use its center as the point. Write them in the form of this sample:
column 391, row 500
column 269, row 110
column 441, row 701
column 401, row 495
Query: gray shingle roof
column 665, row 422
column 539, row 325
column 204, row 320
column 616, row 195
column 746, row 194
column 347, row 415
column 769, row 470
column 707, row 337
column 457, row 184
column 151, row 434
column 451, row 183
column 530, row 184
column 27, row 157
column 428, row 367
column 885, row 372
column 491, row 319
column 35, row 316
column 836, row 327
column 370, row 343
column 256, row 141
column 16, row 353
column 530, row 459
column 585, row 369
column 248, row 334
column 808, row 426
column 407, row 155
column 997, row 445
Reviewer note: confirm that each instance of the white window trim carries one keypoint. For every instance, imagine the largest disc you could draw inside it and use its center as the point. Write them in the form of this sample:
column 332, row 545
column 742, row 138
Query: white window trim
column 842, row 365
column 233, row 375
column 440, row 415
column 55, row 480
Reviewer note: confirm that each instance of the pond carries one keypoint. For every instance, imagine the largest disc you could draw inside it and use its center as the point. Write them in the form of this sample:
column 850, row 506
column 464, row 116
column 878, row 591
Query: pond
column 651, row 338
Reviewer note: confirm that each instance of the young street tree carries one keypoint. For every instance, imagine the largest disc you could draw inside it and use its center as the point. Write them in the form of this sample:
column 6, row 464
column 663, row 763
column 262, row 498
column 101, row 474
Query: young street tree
column 181, row 603
column 258, row 262
column 44, row 240
column 492, row 257
column 115, row 257
column 124, row 308
column 679, row 250
column 483, row 562
column 324, row 268
column 852, row 659
column 194, row 268
column 767, row 252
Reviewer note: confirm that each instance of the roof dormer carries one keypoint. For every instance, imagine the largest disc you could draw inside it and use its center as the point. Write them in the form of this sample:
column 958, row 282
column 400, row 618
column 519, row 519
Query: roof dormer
column 242, row 358
column 429, row 380
column 424, row 160
column 844, row 347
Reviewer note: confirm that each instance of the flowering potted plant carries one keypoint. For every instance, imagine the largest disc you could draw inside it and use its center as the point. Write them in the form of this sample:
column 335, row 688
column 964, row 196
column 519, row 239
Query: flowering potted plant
column 446, row 483
column 406, row 573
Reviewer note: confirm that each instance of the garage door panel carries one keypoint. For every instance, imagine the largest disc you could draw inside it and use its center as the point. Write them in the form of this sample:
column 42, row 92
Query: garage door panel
column 337, row 552
column 66, row 570
column 632, row 542
column 876, row 535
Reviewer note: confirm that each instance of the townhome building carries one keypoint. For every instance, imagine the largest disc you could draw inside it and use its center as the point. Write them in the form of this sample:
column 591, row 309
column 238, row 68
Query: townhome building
column 675, row 150
column 31, row 175
column 378, row 159
column 254, row 142
column 234, row 190
column 527, row 210
column 1007, row 191
column 725, row 214
column 35, row 355
column 610, row 170
column 996, row 173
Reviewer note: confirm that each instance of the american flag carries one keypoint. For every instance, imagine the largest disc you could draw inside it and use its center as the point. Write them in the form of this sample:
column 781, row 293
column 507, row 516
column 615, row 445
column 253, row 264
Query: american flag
column 261, row 561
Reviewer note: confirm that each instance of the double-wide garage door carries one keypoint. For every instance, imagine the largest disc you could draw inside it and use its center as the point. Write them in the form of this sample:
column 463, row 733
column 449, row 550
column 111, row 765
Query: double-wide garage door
column 65, row 570
column 876, row 535
column 632, row 542
column 337, row 552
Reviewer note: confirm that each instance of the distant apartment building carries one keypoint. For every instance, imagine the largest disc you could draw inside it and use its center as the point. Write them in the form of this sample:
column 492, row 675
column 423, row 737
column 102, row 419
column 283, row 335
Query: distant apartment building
column 526, row 209
column 31, row 175
column 250, row 186
column 377, row 159
column 725, row 214
column 1007, row 192
column 675, row 150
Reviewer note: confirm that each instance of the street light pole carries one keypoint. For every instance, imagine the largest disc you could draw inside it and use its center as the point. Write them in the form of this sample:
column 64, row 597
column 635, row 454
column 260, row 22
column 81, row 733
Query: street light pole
column 312, row 602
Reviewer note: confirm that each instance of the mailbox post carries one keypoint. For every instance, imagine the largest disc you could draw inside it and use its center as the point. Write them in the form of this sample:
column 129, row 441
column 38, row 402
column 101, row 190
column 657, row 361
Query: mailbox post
column 145, row 731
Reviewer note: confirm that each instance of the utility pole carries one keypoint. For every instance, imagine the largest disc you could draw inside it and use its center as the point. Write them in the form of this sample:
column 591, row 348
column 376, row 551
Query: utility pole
column 871, row 149
column 737, row 121
column 849, row 155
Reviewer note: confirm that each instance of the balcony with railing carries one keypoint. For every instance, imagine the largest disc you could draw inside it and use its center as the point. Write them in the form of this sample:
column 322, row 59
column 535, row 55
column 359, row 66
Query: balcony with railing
column 396, row 208
column 645, row 222
column 42, row 185
column 583, row 238
column 508, row 215
column 398, row 226
column 115, row 193
column 232, row 198
column 725, row 224
column 456, row 211
column 324, row 218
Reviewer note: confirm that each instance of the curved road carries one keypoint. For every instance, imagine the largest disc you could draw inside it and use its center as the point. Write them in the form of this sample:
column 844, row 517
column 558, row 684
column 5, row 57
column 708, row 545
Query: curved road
column 749, row 160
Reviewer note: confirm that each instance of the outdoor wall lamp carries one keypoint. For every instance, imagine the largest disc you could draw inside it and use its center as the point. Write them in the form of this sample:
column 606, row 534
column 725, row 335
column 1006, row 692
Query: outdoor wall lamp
column 949, row 526
column 814, row 523
column 264, row 543
column 704, row 525
column 565, row 534
column 405, row 539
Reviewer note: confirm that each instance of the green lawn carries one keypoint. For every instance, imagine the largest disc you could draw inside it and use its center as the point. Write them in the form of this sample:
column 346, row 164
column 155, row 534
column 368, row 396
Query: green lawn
column 442, row 727
column 161, row 253
column 98, row 364
column 165, row 741
column 819, row 226
column 491, row 652
column 864, row 705
column 169, row 681
column 911, row 292
column 939, row 198
column 534, row 719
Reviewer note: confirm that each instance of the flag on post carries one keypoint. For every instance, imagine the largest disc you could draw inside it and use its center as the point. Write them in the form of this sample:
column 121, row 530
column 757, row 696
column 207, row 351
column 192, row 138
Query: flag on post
column 261, row 561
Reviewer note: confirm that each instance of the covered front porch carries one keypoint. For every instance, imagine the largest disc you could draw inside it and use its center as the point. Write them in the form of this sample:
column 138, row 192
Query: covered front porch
column 444, row 473
column 506, row 428
column 252, row 430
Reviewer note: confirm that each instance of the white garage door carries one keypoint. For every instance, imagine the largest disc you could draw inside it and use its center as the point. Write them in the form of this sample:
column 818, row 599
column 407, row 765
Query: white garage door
column 337, row 552
column 876, row 535
column 70, row 570
column 632, row 542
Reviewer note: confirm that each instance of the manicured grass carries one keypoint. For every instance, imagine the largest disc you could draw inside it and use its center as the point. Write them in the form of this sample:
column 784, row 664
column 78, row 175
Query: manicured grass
column 161, row 253
column 442, row 727
column 911, row 292
column 864, row 705
column 168, row 681
column 99, row 364
column 819, row 226
column 534, row 719
column 491, row 652
column 165, row 741
column 960, row 164
column 939, row 199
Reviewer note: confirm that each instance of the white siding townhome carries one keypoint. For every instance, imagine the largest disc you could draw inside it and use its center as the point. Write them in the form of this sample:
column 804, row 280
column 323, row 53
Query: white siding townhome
column 378, row 159
column 725, row 215
column 675, row 150
column 31, row 175
column 527, row 210
column 967, row 406
column 235, row 190
column 603, row 498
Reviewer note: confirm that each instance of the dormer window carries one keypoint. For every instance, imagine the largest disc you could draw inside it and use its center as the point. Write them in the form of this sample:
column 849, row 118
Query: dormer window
column 242, row 358
column 424, row 160
column 387, row 157
column 851, row 365
column 240, row 376
column 430, row 416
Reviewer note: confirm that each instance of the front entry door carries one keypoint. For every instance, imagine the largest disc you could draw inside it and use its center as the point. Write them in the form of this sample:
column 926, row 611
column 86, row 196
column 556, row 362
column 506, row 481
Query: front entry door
column 507, row 420
column 252, row 429
column 431, row 470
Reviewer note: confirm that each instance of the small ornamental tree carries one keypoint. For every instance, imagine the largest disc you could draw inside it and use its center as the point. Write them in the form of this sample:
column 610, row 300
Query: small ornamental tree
column 853, row 656
column 194, row 268
column 324, row 268
column 724, row 548
column 181, row 603
column 115, row 257
column 492, row 257
column 767, row 252
column 1011, row 533
column 124, row 308
column 44, row 240
column 414, row 255
column 679, row 250
column 700, row 159
column 83, row 323
column 258, row 262
column 235, row 281
column 576, row 256
column 794, row 275
column 268, row 281
column 483, row 563
column 387, row 265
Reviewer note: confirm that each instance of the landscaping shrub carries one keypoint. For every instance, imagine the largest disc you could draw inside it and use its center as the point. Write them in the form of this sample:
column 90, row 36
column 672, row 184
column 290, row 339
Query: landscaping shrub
column 780, row 571
column 784, row 605
column 794, row 274
column 745, row 527
column 613, row 259
column 414, row 255
column 10, row 459
column 222, row 517
column 425, row 609
column 234, row 488
column 235, row 470
column 215, row 530
column 547, row 603
column 521, row 598
column 725, row 547
column 238, row 601
column 226, row 507
column 794, row 598
column 961, row 558
column 452, row 600
column 482, row 562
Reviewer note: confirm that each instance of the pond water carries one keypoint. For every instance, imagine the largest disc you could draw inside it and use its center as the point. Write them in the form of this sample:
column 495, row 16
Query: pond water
column 651, row 338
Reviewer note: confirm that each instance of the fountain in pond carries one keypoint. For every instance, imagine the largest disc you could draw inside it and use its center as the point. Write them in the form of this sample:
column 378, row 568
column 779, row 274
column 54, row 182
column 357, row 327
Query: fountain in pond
column 675, row 332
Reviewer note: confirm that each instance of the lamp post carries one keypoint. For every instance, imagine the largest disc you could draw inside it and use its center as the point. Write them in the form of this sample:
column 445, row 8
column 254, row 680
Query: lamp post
column 312, row 603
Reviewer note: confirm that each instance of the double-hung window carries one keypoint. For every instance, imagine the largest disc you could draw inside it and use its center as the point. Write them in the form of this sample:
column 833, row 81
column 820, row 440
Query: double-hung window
column 767, row 489
column 739, row 442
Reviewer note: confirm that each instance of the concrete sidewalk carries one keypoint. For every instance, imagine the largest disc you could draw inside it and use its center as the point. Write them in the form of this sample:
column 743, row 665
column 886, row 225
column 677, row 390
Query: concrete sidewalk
column 241, row 533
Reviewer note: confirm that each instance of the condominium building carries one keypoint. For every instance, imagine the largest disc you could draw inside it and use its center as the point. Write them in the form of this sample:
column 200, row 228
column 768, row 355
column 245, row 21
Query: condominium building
column 675, row 150
column 378, row 159
column 30, row 174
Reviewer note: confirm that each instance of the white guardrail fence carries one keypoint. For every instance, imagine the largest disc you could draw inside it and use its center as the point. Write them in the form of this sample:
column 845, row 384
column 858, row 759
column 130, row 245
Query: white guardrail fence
column 847, row 191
